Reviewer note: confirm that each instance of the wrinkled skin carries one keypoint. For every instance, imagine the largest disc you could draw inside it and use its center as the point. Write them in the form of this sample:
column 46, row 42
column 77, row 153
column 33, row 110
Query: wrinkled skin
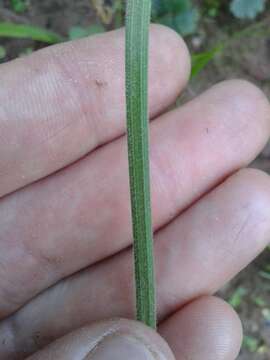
column 65, row 232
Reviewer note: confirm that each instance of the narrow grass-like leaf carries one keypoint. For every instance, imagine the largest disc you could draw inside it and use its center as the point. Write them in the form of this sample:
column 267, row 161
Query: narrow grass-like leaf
column 22, row 31
column 137, row 33
column 265, row 274
column 199, row 61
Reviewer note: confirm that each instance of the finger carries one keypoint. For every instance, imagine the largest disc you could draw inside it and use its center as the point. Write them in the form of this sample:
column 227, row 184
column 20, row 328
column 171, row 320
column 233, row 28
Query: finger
column 206, row 329
column 195, row 255
column 64, row 101
column 57, row 228
column 109, row 340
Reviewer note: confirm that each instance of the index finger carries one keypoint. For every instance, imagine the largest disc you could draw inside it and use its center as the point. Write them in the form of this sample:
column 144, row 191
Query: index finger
column 62, row 102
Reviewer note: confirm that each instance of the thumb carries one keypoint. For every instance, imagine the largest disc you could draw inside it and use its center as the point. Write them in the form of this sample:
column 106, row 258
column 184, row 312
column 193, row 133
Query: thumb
column 108, row 340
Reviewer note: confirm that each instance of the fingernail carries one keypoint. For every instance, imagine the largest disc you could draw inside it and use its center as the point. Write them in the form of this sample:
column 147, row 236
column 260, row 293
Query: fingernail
column 122, row 347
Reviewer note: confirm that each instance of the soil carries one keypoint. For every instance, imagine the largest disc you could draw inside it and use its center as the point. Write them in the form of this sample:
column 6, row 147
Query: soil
column 248, row 58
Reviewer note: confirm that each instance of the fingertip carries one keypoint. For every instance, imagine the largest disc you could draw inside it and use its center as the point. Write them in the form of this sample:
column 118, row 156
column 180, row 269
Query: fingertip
column 173, row 50
column 158, row 347
column 206, row 329
column 170, row 60
column 112, row 339
column 257, row 182
column 249, row 102
column 224, row 325
column 240, row 112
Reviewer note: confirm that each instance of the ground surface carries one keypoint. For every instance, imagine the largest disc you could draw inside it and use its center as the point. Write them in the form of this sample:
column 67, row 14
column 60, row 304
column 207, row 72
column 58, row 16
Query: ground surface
column 248, row 57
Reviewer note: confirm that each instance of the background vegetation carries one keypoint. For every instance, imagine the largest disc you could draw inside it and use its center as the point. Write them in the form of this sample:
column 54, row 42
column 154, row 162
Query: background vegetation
column 227, row 39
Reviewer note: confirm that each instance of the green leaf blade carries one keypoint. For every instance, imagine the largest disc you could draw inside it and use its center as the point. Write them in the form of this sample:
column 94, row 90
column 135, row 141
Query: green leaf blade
column 137, row 32
column 22, row 31
column 201, row 60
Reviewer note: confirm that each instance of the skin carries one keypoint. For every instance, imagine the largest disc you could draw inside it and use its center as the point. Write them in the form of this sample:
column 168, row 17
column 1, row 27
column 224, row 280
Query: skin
column 65, row 231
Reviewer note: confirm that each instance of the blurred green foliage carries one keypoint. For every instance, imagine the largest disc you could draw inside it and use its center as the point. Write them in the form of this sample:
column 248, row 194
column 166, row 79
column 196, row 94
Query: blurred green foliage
column 183, row 15
column 259, row 301
column 180, row 15
column 77, row 32
column 22, row 31
column 244, row 9
column 2, row 52
column 237, row 297
column 265, row 273
column 266, row 314
column 212, row 7
column 251, row 343
column 19, row 6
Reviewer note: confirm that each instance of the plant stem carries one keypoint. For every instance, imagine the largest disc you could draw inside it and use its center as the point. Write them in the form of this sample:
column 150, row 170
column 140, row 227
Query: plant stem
column 137, row 34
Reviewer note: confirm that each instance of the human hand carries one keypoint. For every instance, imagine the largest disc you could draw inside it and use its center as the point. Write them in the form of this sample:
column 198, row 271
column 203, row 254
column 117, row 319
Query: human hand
column 65, row 231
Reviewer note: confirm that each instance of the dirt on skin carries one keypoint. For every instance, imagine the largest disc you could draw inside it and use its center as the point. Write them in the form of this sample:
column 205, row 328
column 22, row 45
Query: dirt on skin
column 248, row 58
